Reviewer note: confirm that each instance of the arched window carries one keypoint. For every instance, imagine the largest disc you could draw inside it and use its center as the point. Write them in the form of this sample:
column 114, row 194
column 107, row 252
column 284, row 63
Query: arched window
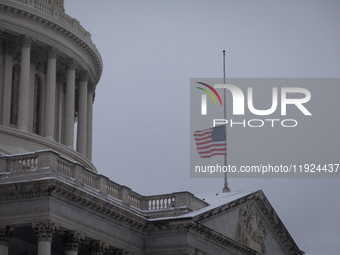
column 15, row 94
column 36, row 106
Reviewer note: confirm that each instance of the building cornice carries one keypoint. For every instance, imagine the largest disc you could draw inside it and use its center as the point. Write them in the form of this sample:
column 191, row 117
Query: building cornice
column 59, row 22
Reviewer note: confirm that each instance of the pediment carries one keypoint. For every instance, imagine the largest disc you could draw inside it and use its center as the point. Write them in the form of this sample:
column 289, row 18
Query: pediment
column 252, row 221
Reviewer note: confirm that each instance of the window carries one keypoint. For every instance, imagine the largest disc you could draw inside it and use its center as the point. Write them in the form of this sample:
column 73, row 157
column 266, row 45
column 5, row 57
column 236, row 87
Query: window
column 36, row 106
column 15, row 94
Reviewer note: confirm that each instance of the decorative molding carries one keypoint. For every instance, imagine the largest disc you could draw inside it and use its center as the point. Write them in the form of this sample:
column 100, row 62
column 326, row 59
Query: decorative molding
column 71, row 240
column 246, row 230
column 98, row 247
column 45, row 229
column 74, row 33
column 5, row 233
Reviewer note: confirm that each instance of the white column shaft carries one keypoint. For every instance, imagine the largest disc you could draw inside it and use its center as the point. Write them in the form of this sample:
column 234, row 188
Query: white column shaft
column 82, row 118
column 7, row 90
column 44, row 248
column 50, row 98
column 69, row 108
column 3, row 249
column 24, row 89
column 89, row 125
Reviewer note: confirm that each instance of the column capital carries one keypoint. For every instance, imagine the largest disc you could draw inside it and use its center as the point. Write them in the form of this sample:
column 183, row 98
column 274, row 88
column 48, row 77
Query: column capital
column 45, row 229
column 98, row 247
column 9, row 47
column 91, row 88
column 71, row 64
column 71, row 240
column 26, row 41
column 52, row 52
column 5, row 233
column 84, row 76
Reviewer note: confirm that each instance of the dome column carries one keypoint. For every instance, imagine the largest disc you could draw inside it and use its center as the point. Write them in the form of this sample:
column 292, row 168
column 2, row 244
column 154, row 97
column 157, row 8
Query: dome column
column 6, row 111
column 49, row 121
column 44, row 231
column 5, row 234
column 89, row 121
column 71, row 241
column 24, row 90
column 69, row 103
column 82, row 113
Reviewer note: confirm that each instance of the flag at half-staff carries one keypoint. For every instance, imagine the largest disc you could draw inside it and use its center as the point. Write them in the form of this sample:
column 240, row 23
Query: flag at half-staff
column 211, row 142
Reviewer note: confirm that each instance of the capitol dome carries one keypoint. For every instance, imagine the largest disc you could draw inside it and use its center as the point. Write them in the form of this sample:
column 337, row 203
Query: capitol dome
column 49, row 70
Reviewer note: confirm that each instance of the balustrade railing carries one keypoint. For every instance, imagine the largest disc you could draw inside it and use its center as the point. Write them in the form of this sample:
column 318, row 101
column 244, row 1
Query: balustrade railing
column 22, row 164
column 49, row 163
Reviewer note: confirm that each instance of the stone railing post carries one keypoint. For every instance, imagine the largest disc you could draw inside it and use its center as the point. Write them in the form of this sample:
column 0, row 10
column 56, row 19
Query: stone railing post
column 3, row 164
column 78, row 174
column 181, row 199
column 124, row 194
column 47, row 160
column 143, row 204
column 101, row 184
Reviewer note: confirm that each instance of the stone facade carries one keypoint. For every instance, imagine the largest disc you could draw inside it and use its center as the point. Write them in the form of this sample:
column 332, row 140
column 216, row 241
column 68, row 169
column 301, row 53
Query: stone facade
column 53, row 201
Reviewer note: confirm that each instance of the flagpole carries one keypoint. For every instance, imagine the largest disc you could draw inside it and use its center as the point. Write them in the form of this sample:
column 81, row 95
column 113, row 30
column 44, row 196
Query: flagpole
column 225, row 189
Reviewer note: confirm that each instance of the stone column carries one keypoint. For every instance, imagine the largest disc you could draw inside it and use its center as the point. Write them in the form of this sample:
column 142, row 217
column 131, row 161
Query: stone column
column 5, row 234
column 50, row 92
column 71, row 241
column 24, row 83
column 59, row 106
column 82, row 113
column 69, row 103
column 98, row 247
column 44, row 231
column 7, row 92
column 89, row 122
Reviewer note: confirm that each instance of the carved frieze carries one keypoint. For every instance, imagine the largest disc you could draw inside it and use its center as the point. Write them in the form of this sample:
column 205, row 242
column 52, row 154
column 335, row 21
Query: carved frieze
column 250, row 231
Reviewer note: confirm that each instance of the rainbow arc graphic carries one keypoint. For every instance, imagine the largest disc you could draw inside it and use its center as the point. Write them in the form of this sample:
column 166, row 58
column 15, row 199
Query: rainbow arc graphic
column 204, row 97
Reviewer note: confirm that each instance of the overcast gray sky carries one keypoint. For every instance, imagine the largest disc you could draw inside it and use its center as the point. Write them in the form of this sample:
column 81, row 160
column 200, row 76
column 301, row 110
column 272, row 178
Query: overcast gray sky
column 151, row 49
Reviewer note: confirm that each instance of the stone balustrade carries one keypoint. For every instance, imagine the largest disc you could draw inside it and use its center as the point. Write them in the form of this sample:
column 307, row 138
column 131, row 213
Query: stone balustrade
column 47, row 163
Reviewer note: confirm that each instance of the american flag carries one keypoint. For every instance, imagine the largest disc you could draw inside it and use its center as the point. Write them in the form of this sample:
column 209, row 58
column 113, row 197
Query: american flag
column 211, row 141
